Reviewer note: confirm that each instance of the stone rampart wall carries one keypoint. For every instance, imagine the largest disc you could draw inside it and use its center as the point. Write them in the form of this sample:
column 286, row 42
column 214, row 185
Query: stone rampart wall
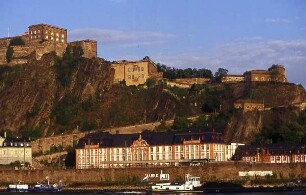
column 212, row 171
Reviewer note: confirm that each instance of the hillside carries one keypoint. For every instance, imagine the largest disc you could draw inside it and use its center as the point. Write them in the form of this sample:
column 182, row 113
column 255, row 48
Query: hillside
column 54, row 95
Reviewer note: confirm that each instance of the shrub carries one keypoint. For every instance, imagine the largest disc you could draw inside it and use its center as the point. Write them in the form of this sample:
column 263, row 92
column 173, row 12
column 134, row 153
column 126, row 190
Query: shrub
column 9, row 54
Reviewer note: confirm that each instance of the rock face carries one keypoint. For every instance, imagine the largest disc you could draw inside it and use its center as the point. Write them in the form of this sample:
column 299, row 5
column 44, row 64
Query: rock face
column 244, row 126
column 50, row 96
column 29, row 96
column 29, row 92
column 37, row 97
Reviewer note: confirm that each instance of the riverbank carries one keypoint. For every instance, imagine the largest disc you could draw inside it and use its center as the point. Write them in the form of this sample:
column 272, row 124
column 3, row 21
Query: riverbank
column 133, row 175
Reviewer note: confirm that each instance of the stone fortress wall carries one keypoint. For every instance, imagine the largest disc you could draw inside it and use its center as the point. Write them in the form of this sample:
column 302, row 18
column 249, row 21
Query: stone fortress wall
column 89, row 47
column 276, row 74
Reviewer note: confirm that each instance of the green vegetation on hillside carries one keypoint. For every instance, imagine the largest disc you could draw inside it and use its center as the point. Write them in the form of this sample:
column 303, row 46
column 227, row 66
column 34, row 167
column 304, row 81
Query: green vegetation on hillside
column 174, row 73
column 292, row 131
column 66, row 65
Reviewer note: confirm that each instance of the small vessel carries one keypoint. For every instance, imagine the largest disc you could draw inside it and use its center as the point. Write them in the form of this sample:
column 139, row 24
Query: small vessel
column 20, row 187
column 46, row 187
column 191, row 183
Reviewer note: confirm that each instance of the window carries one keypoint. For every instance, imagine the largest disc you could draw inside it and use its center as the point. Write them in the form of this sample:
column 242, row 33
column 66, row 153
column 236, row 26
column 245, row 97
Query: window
column 38, row 31
column 129, row 76
column 63, row 36
column 57, row 39
column 51, row 38
column 35, row 32
column 62, row 40
column 57, row 34
column 47, row 37
column 52, row 33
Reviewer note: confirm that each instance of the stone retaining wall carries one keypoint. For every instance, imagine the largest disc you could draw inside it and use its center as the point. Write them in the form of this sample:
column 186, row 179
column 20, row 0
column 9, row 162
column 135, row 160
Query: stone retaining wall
column 212, row 171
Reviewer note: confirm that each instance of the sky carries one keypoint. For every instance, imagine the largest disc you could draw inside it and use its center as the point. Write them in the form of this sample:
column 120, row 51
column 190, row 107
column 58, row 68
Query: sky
column 237, row 35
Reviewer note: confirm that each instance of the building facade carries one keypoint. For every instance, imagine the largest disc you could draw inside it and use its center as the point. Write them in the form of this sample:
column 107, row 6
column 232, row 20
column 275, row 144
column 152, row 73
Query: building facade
column 276, row 73
column 44, row 32
column 104, row 150
column 246, row 106
column 272, row 154
column 15, row 149
column 135, row 72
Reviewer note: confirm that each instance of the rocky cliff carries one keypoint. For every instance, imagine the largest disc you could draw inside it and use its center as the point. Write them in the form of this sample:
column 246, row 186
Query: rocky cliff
column 55, row 95
column 29, row 92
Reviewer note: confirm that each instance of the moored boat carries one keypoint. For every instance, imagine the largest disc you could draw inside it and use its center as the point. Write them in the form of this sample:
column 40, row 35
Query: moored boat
column 191, row 182
column 20, row 187
column 46, row 187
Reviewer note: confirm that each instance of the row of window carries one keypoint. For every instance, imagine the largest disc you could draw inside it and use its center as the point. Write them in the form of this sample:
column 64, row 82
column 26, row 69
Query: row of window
column 94, row 159
column 16, row 144
column 135, row 69
column 136, row 76
column 217, row 147
column 13, row 152
column 46, row 32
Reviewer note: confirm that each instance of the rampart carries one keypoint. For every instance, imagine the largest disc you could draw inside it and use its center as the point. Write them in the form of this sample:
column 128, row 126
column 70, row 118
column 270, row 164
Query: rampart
column 187, row 82
column 210, row 172
column 89, row 47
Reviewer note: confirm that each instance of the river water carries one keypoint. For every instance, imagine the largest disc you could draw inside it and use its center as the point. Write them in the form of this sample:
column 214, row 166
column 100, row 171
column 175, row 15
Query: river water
column 144, row 193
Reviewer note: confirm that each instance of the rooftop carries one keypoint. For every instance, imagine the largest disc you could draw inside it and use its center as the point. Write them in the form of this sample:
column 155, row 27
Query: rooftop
column 47, row 25
column 106, row 139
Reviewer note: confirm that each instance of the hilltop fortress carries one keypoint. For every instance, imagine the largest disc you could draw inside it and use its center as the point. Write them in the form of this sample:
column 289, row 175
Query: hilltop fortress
column 275, row 73
column 39, row 40
column 43, row 38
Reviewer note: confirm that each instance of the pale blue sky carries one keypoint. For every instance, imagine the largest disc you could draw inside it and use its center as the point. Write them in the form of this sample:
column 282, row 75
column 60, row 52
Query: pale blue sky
column 238, row 35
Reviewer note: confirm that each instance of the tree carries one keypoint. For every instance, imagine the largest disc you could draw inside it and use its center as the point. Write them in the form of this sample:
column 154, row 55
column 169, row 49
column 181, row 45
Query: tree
column 9, row 54
column 201, row 122
column 16, row 41
column 150, row 82
column 181, row 123
column 77, row 52
column 221, row 72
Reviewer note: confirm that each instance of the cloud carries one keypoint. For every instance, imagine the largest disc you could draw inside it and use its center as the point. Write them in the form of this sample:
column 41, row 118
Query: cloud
column 277, row 20
column 241, row 56
column 119, row 37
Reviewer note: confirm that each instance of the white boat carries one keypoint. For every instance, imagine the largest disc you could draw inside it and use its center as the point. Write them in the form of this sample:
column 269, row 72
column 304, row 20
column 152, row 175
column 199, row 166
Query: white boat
column 20, row 187
column 191, row 182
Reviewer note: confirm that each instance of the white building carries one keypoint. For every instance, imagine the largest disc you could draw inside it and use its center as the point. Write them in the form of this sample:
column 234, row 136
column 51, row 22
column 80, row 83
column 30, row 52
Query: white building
column 15, row 149
column 104, row 150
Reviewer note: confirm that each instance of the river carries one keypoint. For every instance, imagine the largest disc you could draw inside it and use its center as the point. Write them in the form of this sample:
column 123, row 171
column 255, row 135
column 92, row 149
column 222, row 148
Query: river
column 144, row 193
